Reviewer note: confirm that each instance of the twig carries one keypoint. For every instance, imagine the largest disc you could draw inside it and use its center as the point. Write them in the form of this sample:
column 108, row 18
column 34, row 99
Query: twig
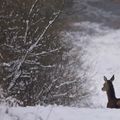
column 32, row 7
column 26, row 31
column 1, row 56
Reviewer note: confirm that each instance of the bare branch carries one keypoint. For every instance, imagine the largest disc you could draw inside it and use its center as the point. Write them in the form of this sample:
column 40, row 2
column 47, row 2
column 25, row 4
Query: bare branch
column 1, row 56
column 32, row 7
column 44, row 31
column 26, row 31
column 18, row 71
column 67, row 83
column 44, row 52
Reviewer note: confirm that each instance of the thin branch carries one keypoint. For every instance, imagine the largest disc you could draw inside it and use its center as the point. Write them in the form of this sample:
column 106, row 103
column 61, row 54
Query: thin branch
column 44, row 31
column 61, row 95
column 39, row 20
column 32, row 7
column 44, row 52
column 1, row 56
column 26, row 31
column 67, row 83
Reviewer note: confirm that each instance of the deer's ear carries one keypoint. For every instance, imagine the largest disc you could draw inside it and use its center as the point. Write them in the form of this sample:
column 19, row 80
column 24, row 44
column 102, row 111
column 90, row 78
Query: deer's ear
column 112, row 78
column 105, row 79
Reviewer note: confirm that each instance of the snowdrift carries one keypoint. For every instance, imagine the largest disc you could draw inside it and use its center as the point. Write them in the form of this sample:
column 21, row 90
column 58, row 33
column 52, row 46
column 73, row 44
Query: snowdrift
column 58, row 113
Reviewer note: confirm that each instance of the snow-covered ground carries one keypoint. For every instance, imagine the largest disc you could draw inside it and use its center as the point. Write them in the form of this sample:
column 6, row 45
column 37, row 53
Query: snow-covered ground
column 100, row 51
column 57, row 113
column 103, row 57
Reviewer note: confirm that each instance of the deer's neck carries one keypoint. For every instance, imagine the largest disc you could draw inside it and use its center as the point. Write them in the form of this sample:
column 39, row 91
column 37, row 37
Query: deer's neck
column 111, row 93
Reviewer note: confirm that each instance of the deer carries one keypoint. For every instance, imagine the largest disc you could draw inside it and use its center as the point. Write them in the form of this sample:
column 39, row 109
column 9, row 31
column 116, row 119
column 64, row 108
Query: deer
column 113, row 102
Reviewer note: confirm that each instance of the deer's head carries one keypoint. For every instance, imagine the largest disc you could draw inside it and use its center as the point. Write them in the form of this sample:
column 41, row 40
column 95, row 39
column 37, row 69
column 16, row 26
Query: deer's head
column 108, row 83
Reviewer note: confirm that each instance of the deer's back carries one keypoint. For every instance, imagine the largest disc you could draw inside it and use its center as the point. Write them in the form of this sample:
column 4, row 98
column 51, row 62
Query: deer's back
column 114, row 103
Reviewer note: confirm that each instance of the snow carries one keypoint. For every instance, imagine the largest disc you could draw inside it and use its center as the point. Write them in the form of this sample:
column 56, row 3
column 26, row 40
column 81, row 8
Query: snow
column 104, row 60
column 57, row 113
column 97, row 46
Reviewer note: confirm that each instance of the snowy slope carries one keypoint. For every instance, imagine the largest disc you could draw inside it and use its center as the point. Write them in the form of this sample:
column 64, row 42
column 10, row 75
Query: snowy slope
column 103, row 56
column 98, row 47
column 58, row 113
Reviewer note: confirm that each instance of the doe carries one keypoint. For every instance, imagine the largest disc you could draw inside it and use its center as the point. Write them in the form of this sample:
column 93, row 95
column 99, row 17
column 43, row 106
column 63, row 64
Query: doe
column 113, row 102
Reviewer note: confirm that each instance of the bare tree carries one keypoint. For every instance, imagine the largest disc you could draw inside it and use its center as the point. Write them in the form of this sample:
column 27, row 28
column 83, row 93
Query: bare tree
column 34, row 63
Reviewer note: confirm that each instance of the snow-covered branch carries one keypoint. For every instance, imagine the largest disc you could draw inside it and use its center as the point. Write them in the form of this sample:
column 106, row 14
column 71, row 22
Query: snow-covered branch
column 48, row 52
column 17, row 72
column 43, row 33
column 26, row 31
column 1, row 56
column 67, row 83
column 32, row 7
